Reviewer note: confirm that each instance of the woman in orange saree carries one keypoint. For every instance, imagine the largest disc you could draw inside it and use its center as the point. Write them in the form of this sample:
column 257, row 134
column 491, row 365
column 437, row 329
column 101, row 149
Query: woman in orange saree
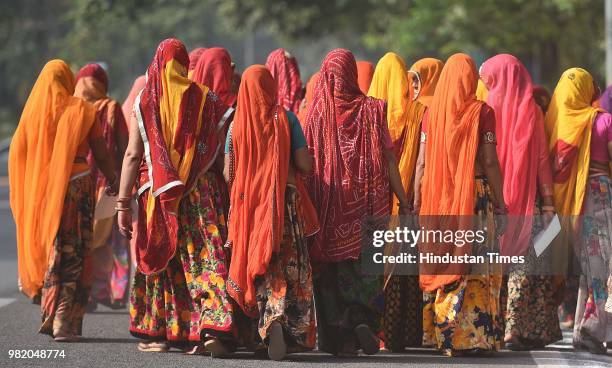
column 531, row 311
column 402, row 318
column 178, row 296
column 109, row 250
column 461, row 178
column 355, row 170
column 270, row 274
column 51, row 195
column 365, row 72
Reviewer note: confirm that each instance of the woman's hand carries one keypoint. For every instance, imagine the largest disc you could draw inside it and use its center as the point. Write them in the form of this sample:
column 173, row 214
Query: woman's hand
column 113, row 188
column 124, row 219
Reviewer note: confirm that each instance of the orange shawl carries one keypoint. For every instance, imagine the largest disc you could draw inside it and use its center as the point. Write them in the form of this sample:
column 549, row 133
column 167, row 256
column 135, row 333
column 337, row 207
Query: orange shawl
column 390, row 83
column 312, row 82
column 53, row 124
column 259, row 151
column 428, row 71
column 450, row 156
column 365, row 72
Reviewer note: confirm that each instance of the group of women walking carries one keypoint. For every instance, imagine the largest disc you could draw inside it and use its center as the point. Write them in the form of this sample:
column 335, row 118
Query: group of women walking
column 251, row 198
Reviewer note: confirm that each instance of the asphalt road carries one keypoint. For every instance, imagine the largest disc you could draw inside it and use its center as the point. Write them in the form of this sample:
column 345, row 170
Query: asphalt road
column 107, row 342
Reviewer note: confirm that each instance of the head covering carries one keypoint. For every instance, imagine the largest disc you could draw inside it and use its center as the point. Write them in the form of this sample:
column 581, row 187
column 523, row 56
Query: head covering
column 128, row 104
column 450, row 156
column 517, row 118
column 481, row 91
column 284, row 68
column 194, row 57
column 365, row 72
column 541, row 97
column 605, row 101
column 91, row 83
column 350, row 179
column 569, row 121
column 260, row 152
column 214, row 70
column 428, row 71
column 302, row 115
column 390, row 83
column 52, row 126
column 178, row 146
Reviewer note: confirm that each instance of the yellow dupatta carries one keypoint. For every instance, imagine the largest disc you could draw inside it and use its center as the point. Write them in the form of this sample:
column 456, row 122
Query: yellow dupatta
column 390, row 83
column 481, row 91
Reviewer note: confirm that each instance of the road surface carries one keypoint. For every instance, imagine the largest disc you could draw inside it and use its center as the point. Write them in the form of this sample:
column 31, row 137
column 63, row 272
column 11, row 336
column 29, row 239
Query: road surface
column 107, row 342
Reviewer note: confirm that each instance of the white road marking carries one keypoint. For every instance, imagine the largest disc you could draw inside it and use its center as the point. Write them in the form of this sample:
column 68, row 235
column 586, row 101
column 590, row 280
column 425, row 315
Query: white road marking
column 6, row 301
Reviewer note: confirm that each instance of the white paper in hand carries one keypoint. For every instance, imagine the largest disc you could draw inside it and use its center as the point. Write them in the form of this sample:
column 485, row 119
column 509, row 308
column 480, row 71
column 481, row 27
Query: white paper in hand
column 546, row 236
column 105, row 207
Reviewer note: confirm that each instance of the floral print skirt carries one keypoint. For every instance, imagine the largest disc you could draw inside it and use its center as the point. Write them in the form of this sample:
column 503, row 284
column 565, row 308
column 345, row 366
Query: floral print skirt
column 67, row 281
column 284, row 293
column 188, row 301
column 465, row 315
column 594, row 307
column 111, row 267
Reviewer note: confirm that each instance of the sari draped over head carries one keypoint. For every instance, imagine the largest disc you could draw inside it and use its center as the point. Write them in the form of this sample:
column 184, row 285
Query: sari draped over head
column 178, row 148
column 350, row 179
column 517, row 118
column 452, row 145
column 284, row 69
column 214, row 70
column 365, row 72
column 605, row 101
column 541, row 97
column 390, row 83
column 428, row 71
column 194, row 57
column 92, row 86
column 569, row 121
column 260, row 152
column 52, row 126
column 481, row 91
column 312, row 82
column 128, row 104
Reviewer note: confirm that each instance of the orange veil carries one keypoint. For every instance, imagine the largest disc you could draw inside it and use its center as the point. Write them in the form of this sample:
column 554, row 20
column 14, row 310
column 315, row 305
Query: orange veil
column 52, row 126
column 260, row 151
column 452, row 144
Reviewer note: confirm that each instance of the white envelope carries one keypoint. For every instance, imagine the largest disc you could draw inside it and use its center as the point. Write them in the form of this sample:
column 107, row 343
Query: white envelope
column 546, row 236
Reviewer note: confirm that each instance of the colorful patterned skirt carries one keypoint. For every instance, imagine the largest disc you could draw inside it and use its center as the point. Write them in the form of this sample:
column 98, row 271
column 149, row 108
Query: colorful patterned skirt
column 465, row 315
column 285, row 293
column 531, row 310
column 594, row 308
column 187, row 301
column 345, row 298
column 67, row 282
column 111, row 266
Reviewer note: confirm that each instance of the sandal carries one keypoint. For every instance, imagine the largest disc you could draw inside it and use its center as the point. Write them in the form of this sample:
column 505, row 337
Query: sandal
column 368, row 342
column 215, row 347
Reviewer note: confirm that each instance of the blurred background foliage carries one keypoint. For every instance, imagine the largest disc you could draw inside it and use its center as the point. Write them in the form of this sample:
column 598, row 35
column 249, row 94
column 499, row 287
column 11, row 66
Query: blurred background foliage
column 548, row 35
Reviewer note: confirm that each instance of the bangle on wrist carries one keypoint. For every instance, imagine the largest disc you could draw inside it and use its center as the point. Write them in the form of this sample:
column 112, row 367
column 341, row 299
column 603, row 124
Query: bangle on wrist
column 123, row 209
column 548, row 208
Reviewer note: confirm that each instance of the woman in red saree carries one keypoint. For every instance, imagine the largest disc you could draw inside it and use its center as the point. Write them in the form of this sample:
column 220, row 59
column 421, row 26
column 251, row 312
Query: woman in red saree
column 284, row 68
column 178, row 294
column 355, row 172
column 461, row 178
column 531, row 312
column 194, row 57
column 214, row 70
column 52, row 198
column 270, row 274
column 110, row 250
